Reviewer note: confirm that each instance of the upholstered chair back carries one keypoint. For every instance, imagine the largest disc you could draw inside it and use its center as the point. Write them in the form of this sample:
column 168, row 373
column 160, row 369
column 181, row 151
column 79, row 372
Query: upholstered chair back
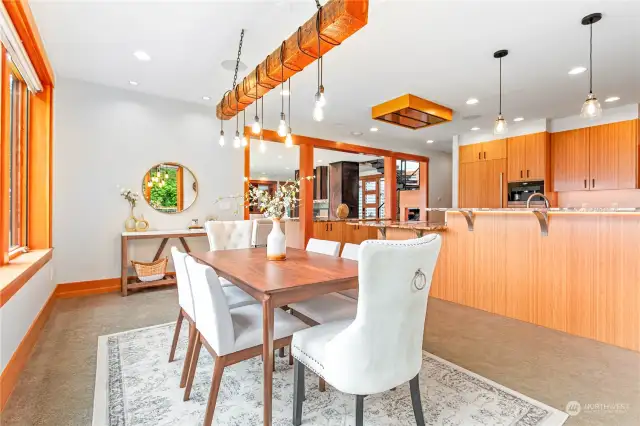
column 213, row 318
column 229, row 235
column 331, row 248
column 382, row 347
column 185, row 297
column 350, row 251
column 261, row 230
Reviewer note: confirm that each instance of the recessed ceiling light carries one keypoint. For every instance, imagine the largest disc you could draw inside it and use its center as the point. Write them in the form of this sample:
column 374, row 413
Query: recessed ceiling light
column 263, row 178
column 356, row 133
column 373, row 129
column 475, row 128
column 577, row 70
column 518, row 119
column 206, row 98
column 472, row 101
column 288, row 168
column 280, row 157
column 141, row 55
column 319, row 161
column 133, row 83
column 612, row 99
column 430, row 141
column 285, row 92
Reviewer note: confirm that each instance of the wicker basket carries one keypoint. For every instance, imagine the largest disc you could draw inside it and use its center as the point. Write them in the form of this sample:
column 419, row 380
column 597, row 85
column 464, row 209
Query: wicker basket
column 152, row 271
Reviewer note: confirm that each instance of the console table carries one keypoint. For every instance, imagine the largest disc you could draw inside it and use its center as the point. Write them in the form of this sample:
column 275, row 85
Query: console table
column 132, row 283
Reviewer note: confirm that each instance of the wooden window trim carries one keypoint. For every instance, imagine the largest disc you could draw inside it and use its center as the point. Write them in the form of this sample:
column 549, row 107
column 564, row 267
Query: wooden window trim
column 19, row 271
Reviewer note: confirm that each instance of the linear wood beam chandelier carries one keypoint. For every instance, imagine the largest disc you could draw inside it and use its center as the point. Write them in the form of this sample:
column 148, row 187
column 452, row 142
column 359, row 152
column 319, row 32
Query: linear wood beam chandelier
column 338, row 20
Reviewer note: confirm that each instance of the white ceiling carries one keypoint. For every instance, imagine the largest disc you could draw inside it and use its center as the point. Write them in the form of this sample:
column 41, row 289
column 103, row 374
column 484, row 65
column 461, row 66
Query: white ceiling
column 439, row 50
column 278, row 162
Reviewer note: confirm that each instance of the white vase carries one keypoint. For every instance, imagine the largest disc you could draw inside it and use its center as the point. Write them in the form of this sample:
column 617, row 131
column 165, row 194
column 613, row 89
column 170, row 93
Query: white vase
column 276, row 242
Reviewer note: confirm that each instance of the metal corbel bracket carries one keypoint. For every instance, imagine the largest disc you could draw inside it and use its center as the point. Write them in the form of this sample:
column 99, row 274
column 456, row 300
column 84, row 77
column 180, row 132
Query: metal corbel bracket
column 470, row 218
column 543, row 220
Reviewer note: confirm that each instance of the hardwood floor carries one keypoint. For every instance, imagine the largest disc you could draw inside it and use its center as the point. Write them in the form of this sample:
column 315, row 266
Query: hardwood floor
column 56, row 388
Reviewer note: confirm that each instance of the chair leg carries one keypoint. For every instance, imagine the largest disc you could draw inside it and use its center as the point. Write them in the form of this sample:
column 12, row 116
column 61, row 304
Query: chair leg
column 176, row 335
column 359, row 410
column 298, row 392
column 414, row 384
column 193, row 335
column 290, row 355
column 322, row 385
column 218, row 369
column 281, row 352
column 192, row 369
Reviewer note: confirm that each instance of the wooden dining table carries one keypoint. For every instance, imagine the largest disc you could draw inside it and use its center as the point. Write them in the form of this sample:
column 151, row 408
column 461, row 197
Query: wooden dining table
column 301, row 276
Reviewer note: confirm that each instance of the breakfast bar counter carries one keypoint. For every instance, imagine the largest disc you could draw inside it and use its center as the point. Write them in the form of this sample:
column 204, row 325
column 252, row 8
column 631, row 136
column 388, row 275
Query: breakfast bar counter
column 582, row 277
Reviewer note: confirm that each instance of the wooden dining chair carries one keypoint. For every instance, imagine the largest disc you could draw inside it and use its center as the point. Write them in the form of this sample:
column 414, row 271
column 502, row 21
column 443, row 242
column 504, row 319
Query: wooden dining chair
column 382, row 347
column 233, row 296
column 230, row 335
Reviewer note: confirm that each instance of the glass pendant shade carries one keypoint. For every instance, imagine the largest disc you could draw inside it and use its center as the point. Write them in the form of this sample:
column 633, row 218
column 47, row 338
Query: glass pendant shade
column 288, row 142
column 320, row 99
column 236, row 140
column 255, row 128
column 318, row 113
column 221, row 140
column 591, row 107
column 500, row 126
column 282, row 127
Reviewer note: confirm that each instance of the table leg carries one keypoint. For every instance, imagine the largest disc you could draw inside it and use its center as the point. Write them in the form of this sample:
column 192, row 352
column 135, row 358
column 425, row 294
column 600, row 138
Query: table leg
column 159, row 252
column 267, row 356
column 185, row 245
column 124, row 266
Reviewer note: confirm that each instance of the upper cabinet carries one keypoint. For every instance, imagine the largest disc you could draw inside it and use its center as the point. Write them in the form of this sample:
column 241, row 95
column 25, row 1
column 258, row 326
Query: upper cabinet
column 528, row 157
column 596, row 158
column 486, row 151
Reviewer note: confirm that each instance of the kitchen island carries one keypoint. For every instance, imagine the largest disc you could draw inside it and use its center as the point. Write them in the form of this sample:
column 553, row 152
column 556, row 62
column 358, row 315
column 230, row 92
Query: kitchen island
column 582, row 276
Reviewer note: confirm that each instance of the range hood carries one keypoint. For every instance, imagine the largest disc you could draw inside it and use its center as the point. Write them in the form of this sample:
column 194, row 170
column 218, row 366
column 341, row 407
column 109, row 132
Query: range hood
column 411, row 112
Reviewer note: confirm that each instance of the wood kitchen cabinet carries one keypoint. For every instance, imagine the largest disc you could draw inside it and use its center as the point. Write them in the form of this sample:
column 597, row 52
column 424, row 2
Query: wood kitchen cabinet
column 596, row 158
column 470, row 153
column 485, row 151
column 527, row 157
column 483, row 184
column 355, row 234
column 328, row 230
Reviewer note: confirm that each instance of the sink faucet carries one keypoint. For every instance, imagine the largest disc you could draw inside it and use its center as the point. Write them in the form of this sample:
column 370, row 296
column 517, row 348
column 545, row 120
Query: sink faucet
column 546, row 200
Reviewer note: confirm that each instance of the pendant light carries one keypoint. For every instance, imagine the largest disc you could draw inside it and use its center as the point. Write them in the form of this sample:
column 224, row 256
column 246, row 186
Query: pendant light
column 320, row 101
column 282, row 127
column 288, row 141
column 221, row 140
column 244, row 141
column 236, row 139
column 500, row 125
column 591, row 107
column 255, row 128
column 263, row 146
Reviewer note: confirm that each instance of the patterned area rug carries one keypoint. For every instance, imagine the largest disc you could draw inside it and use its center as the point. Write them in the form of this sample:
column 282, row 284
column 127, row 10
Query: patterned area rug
column 136, row 386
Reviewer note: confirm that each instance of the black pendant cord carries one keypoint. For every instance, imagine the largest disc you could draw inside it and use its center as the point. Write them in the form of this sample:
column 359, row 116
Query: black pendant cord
column 261, row 116
column 289, row 110
column 244, row 121
column 282, row 87
column 500, row 102
column 591, row 58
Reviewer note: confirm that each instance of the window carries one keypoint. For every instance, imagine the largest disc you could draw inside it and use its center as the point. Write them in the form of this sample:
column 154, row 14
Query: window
column 371, row 197
column 18, row 152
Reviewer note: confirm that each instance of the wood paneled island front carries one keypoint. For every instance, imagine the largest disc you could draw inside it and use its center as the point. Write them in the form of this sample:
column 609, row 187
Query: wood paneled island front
column 583, row 278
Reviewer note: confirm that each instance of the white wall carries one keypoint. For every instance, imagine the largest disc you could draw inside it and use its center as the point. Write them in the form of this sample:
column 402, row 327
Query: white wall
column 440, row 184
column 106, row 137
column 21, row 310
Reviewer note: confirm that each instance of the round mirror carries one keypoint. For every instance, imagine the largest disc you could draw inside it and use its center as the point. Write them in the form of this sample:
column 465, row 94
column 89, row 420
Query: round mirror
column 169, row 187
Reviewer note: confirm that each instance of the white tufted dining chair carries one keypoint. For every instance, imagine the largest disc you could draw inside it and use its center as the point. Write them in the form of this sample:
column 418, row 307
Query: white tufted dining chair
column 233, row 296
column 230, row 335
column 382, row 347
column 229, row 235
column 350, row 251
column 261, row 229
column 330, row 248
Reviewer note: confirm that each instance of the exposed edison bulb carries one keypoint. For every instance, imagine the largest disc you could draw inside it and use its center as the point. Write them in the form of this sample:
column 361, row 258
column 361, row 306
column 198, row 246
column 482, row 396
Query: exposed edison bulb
column 236, row 140
column 500, row 126
column 221, row 140
column 244, row 141
column 318, row 113
column 282, row 127
column 255, row 128
column 288, row 141
column 166, row 175
column 149, row 184
column 320, row 99
column 591, row 107
column 263, row 147
column 158, row 174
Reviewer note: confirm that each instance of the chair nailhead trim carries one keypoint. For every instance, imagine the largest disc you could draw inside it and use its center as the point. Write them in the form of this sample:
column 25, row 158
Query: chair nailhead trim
column 312, row 359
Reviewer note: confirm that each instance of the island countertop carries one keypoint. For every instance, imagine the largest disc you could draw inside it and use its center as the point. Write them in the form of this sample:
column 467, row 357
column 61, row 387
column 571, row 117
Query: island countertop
column 411, row 225
column 542, row 209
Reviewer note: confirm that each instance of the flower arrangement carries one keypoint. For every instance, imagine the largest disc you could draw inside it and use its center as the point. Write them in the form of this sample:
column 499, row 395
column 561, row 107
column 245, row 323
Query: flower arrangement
column 274, row 205
column 130, row 196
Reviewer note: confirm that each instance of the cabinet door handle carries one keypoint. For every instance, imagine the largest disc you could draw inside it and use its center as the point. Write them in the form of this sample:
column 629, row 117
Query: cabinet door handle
column 593, row 183
column 479, row 156
column 585, row 183
column 527, row 172
column 520, row 174
column 501, row 190
column 326, row 227
column 485, row 155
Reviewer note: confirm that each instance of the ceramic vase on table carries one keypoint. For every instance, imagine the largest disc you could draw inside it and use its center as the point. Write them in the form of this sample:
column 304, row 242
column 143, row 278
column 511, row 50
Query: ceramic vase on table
column 276, row 242
column 130, row 223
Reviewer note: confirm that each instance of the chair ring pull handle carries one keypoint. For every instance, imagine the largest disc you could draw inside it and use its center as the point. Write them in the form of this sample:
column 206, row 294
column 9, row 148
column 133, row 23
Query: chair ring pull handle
column 419, row 280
